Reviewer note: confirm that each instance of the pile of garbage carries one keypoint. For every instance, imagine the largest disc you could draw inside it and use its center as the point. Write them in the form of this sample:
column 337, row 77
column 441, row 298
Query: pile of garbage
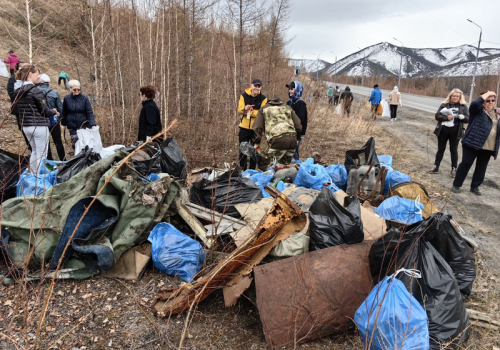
column 314, row 246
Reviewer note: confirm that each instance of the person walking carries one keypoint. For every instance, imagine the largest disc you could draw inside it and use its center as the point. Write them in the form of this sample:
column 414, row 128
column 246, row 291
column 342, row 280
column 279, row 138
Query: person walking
column 149, row 118
column 12, row 60
column 346, row 98
column 336, row 95
column 394, row 101
column 295, row 90
column 53, row 102
column 481, row 141
column 34, row 114
column 329, row 95
column 375, row 98
column 251, row 101
column 451, row 117
column 64, row 77
column 282, row 128
column 77, row 111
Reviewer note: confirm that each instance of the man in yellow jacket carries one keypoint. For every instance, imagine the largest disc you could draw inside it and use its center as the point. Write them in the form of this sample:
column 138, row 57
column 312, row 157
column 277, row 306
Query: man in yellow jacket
column 249, row 105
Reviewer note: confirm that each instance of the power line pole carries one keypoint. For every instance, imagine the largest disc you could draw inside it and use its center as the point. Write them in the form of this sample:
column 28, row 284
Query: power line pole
column 400, row 62
column 363, row 71
column 475, row 65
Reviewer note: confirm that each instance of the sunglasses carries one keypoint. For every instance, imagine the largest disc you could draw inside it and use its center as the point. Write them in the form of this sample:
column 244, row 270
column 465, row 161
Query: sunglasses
column 490, row 101
column 75, row 90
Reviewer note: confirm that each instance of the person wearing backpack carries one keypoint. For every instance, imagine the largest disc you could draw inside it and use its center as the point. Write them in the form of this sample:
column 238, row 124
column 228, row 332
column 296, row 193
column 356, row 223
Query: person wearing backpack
column 53, row 101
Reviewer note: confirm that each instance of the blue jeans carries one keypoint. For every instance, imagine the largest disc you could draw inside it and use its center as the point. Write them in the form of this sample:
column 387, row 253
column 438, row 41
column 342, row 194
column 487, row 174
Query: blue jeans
column 296, row 155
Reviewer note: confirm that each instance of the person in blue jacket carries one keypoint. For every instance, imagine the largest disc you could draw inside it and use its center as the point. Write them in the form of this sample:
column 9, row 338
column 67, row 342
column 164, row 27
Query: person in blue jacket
column 481, row 141
column 375, row 99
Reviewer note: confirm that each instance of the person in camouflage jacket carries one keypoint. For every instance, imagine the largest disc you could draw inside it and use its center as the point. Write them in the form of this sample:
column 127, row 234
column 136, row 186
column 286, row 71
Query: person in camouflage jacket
column 282, row 128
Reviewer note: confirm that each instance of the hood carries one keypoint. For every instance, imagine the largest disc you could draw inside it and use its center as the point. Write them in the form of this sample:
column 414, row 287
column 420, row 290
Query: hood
column 249, row 92
column 12, row 55
column 347, row 88
column 19, row 83
column 275, row 101
column 395, row 89
column 297, row 94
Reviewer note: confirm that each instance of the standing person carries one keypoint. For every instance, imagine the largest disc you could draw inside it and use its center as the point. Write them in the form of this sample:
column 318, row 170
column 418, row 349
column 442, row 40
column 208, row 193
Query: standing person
column 149, row 118
column 251, row 101
column 336, row 95
column 346, row 99
column 394, row 101
column 375, row 98
column 34, row 114
column 12, row 60
column 451, row 116
column 329, row 95
column 295, row 90
column 282, row 128
column 480, row 142
column 77, row 111
column 13, row 98
column 53, row 102
column 64, row 77
column 296, row 70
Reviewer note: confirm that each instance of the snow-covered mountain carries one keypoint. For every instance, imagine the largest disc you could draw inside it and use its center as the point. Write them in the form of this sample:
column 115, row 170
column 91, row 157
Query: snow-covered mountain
column 308, row 66
column 384, row 59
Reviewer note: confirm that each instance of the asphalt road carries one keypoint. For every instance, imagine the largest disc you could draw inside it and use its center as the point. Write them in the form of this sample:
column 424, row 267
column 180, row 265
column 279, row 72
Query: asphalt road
column 424, row 103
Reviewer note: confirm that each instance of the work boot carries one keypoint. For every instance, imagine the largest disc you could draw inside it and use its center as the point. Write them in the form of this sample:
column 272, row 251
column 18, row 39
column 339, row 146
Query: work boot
column 476, row 191
column 453, row 172
column 435, row 170
column 455, row 189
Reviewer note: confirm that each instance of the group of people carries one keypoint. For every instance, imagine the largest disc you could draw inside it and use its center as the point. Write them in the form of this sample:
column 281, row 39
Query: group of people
column 394, row 101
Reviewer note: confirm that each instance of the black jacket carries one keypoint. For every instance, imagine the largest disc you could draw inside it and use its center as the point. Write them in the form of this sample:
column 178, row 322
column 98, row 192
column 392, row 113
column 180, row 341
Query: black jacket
column 347, row 98
column 12, row 94
column 443, row 118
column 300, row 108
column 33, row 110
column 149, row 120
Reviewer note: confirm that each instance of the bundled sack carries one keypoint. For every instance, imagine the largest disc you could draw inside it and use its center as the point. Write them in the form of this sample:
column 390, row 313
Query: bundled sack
column 172, row 161
column 394, row 178
column 174, row 253
column 437, row 291
column 11, row 165
column 261, row 179
column 30, row 184
column 90, row 138
column 402, row 210
column 414, row 190
column 147, row 160
column 385, row 160
column 312, row 175
column 391, row 318
column 78, row 163
column 365, row 155
column 224, row 193
column 338, row 174
column 331, row 224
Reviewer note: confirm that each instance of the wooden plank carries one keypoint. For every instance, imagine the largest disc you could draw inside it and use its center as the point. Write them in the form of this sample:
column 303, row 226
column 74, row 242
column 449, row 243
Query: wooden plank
column 193, row 222
column 212, row 215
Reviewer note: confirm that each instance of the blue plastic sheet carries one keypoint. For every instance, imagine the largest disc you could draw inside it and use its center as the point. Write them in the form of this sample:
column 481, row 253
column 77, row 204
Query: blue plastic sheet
column 30, row 184
column 391, row 318
column 261, row 179
column 338, row 173
column 385, row 160
column 393, row 178
column 175, row 253
column 312, row 175
column 400, row 209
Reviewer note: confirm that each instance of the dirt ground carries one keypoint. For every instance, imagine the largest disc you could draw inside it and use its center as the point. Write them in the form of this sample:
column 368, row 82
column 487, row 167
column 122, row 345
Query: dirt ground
column 111, row 314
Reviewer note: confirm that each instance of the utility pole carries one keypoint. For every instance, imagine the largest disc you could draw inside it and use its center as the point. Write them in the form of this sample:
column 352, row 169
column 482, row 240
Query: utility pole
column 475, row 65
column 334, row 69
column 363, row 71
column 400, row 63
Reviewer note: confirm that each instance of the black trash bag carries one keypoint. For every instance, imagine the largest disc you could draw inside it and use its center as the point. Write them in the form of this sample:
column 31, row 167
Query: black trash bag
column 78, row 163
column 224, row 193
column 331, row 224
column 437, row 290
column 152, row 163
column 172, row 160
column 11, row 165
column 366, row 155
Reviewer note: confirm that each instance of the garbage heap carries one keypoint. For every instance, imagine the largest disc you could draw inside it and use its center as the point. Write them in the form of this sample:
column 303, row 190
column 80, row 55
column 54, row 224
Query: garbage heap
column 314, row 246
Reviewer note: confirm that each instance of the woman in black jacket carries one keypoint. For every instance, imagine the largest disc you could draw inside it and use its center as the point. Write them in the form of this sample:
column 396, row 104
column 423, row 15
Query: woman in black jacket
column 451, row 116
column 149, row 118
column 33, row 114
column 295, row 90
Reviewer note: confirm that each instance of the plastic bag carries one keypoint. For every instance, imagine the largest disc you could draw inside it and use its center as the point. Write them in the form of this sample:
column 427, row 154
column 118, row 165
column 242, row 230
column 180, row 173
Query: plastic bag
column 88, row 137
column 331, row 224
column 380, row 109
column 30, row 184
column 312, row 175
column 338, row 109
column 174, row 253
column 172, row 160
column 391, row 318
column 385, row 160
column 394, row 178
column 11, row 165
column 405, row 211
column 437, row 291
column 150, row 165
column 338, row 174
column 109, row 151
column 248, row 149
column 261, row 179
column 386, row 111
column 77, row 164
column 365, row 155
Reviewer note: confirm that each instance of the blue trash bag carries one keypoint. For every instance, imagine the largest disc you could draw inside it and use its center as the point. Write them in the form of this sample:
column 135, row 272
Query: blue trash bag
column 406, row 211
column 280, row 186
column 385, row 160
column 261, row 179
column 391, row 318
column 175, row 253
column 338, row 173
column 30, row 184
column 387, row 177
column 312, row 175
column 393, row 178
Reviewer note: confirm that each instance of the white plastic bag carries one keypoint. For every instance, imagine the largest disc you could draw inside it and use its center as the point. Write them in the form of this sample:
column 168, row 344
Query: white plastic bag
column 88, row 137
column 4, row 72
column 386, row 111
column 338, row 109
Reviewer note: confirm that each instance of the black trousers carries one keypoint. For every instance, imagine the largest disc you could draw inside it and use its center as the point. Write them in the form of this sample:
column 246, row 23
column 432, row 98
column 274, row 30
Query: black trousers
column 394, row 111
column 482, row 157
column 12, row 71
column 59, row 82
column 246, row 135
column 442, row 141
column 56, row 137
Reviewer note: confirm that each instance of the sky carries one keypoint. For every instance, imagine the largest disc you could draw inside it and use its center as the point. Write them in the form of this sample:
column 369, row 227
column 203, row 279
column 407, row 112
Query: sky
column 329, row 28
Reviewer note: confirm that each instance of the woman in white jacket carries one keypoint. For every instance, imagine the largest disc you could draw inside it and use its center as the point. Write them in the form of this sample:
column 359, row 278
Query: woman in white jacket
column 394, row 101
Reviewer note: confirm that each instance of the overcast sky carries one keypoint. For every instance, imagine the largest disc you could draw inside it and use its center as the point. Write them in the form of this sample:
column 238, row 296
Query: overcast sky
column 320, row 27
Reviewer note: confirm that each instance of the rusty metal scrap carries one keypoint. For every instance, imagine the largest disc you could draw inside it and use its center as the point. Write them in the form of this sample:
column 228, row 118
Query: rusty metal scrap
column 238, row 264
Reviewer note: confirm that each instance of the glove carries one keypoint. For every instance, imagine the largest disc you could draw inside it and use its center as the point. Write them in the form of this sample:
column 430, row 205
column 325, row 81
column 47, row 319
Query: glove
column 461, row 116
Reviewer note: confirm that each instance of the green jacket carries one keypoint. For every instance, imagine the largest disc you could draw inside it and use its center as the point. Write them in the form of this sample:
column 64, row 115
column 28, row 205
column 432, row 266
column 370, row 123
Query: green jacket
column 64, row 75
column 276, row 120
